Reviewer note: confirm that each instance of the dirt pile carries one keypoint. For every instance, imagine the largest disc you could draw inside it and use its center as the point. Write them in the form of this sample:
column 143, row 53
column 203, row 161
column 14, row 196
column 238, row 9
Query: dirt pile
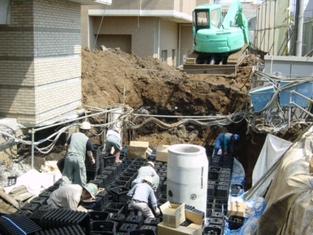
column 113, row 76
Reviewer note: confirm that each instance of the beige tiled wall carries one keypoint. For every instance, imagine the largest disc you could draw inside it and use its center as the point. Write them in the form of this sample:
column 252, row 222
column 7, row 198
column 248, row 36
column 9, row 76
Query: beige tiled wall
column 40, row 75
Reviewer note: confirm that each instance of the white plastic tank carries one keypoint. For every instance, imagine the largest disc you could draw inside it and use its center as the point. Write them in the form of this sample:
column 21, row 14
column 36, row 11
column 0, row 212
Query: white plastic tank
column 187, row 175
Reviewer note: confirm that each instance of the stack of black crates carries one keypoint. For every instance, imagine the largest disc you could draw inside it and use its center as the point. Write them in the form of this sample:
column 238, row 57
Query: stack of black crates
column 109, row 213
column 219, row 183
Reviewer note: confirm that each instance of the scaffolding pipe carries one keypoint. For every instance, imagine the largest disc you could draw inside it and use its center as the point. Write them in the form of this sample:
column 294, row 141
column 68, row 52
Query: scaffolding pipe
column 299, row 28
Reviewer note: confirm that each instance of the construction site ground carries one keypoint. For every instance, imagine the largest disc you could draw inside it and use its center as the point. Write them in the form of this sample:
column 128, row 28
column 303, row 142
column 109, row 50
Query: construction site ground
column 113, row 77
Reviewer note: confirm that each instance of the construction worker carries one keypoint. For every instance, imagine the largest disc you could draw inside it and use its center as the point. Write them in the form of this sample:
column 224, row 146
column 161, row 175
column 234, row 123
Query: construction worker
column 69, row 196
column 113, row 139
column 148, row 170
column 225, row 142
column 141, row 196
column 77, row 147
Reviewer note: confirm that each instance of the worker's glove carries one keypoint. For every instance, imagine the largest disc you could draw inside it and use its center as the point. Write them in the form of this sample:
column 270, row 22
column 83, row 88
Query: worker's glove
column 157, row 211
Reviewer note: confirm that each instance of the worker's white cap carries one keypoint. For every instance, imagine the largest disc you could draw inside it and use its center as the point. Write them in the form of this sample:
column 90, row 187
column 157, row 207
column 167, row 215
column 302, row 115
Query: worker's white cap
column 151, row 163
column 85, row 126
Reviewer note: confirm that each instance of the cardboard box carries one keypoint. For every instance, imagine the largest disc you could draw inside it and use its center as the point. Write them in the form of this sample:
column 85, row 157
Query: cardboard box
column 162, row 153
column 138, row 149
column 236, row 208
column 195, row 228
column 192, row 229
column 194, row 217
column 173, row 214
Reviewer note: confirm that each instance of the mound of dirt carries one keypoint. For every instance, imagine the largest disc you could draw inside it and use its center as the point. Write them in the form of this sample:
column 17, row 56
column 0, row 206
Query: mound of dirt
column 113, row 76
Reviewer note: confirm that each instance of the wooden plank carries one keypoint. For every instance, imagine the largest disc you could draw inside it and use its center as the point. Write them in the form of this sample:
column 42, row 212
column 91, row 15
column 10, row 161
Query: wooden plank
column 23, row 197
column 210, row 69
column 18, row 190
column 9, row 199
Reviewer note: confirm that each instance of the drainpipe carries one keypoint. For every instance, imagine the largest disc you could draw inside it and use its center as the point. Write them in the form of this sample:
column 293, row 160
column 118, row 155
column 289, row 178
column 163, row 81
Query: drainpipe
column 33, row 147
column 299, row 25
column 178, row 60
column 159, row 36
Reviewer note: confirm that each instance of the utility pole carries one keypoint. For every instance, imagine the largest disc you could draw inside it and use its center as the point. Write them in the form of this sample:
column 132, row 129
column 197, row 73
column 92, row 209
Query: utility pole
column 299, row 27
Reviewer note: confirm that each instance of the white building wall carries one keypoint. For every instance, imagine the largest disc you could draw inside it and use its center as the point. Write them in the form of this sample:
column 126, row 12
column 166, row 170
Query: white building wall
column 168, row 41
column 142, row 31
column 271, row 33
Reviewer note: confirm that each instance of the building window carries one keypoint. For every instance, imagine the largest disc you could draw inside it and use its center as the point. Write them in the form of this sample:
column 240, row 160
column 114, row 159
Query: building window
column 173, row 57
column 164, row 56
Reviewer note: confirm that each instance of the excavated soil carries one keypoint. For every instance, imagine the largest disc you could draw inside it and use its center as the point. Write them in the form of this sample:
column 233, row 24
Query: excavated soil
column 113, row 77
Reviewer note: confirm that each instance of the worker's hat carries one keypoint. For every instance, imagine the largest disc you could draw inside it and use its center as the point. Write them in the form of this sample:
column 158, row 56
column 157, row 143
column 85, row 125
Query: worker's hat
column 92, row 189
column 150, row 163
column 237, row 137
column 85, row 126
column 148, row 179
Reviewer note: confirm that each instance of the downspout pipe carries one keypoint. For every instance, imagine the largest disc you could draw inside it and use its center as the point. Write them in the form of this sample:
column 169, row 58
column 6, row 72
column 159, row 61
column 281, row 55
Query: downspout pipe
column 299, row 28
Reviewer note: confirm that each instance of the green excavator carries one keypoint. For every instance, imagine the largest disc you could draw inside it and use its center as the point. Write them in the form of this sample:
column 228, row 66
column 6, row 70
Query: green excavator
column 218, row 40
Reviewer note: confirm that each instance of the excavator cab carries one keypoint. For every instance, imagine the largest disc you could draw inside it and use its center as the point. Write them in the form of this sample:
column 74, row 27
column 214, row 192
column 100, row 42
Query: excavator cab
column 210, row 17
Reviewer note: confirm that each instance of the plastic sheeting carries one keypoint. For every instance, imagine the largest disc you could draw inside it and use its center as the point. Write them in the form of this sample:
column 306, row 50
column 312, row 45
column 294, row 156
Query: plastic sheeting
column 273, row 148
column 238, row 173
column 289, row 198
column 34, row 181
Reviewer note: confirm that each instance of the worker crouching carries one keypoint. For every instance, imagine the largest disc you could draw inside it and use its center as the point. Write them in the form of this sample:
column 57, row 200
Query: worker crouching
column 69, row 196
column 141, row 196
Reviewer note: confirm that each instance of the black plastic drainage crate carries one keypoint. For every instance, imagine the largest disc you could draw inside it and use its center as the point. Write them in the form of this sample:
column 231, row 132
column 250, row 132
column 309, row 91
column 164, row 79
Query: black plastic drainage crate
column 114, row 207
column 236, row 189
column 126, row 227
column 235, row 222
column 213, row 230
column 118, row 218
column 105, row 179
column 134, row 219
column 119, row 194
column 104, row 161
column 31, row 207
column 104, row 195
column 17, row 224
column 103, row 227
column 68, row 230
column 214, row 172
column 59, row 217
column 39, row 200
column 99, row 215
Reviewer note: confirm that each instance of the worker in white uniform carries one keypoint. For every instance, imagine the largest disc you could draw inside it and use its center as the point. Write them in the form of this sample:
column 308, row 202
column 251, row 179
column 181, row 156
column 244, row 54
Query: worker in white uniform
column 113, row 139
column 69, row 196
column 141, row 196
column 77, row 147
column 148, row 170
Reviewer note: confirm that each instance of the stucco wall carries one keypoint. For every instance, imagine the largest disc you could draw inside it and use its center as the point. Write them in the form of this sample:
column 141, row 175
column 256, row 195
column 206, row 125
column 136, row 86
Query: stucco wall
column 142, row 31
column 169, row 40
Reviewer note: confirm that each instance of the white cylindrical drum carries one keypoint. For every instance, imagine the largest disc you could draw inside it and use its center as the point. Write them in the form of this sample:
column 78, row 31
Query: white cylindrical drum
column 187, row 175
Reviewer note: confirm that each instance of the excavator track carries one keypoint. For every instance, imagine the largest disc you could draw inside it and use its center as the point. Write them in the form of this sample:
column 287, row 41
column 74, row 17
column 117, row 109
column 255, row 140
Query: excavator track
column 230, row 69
